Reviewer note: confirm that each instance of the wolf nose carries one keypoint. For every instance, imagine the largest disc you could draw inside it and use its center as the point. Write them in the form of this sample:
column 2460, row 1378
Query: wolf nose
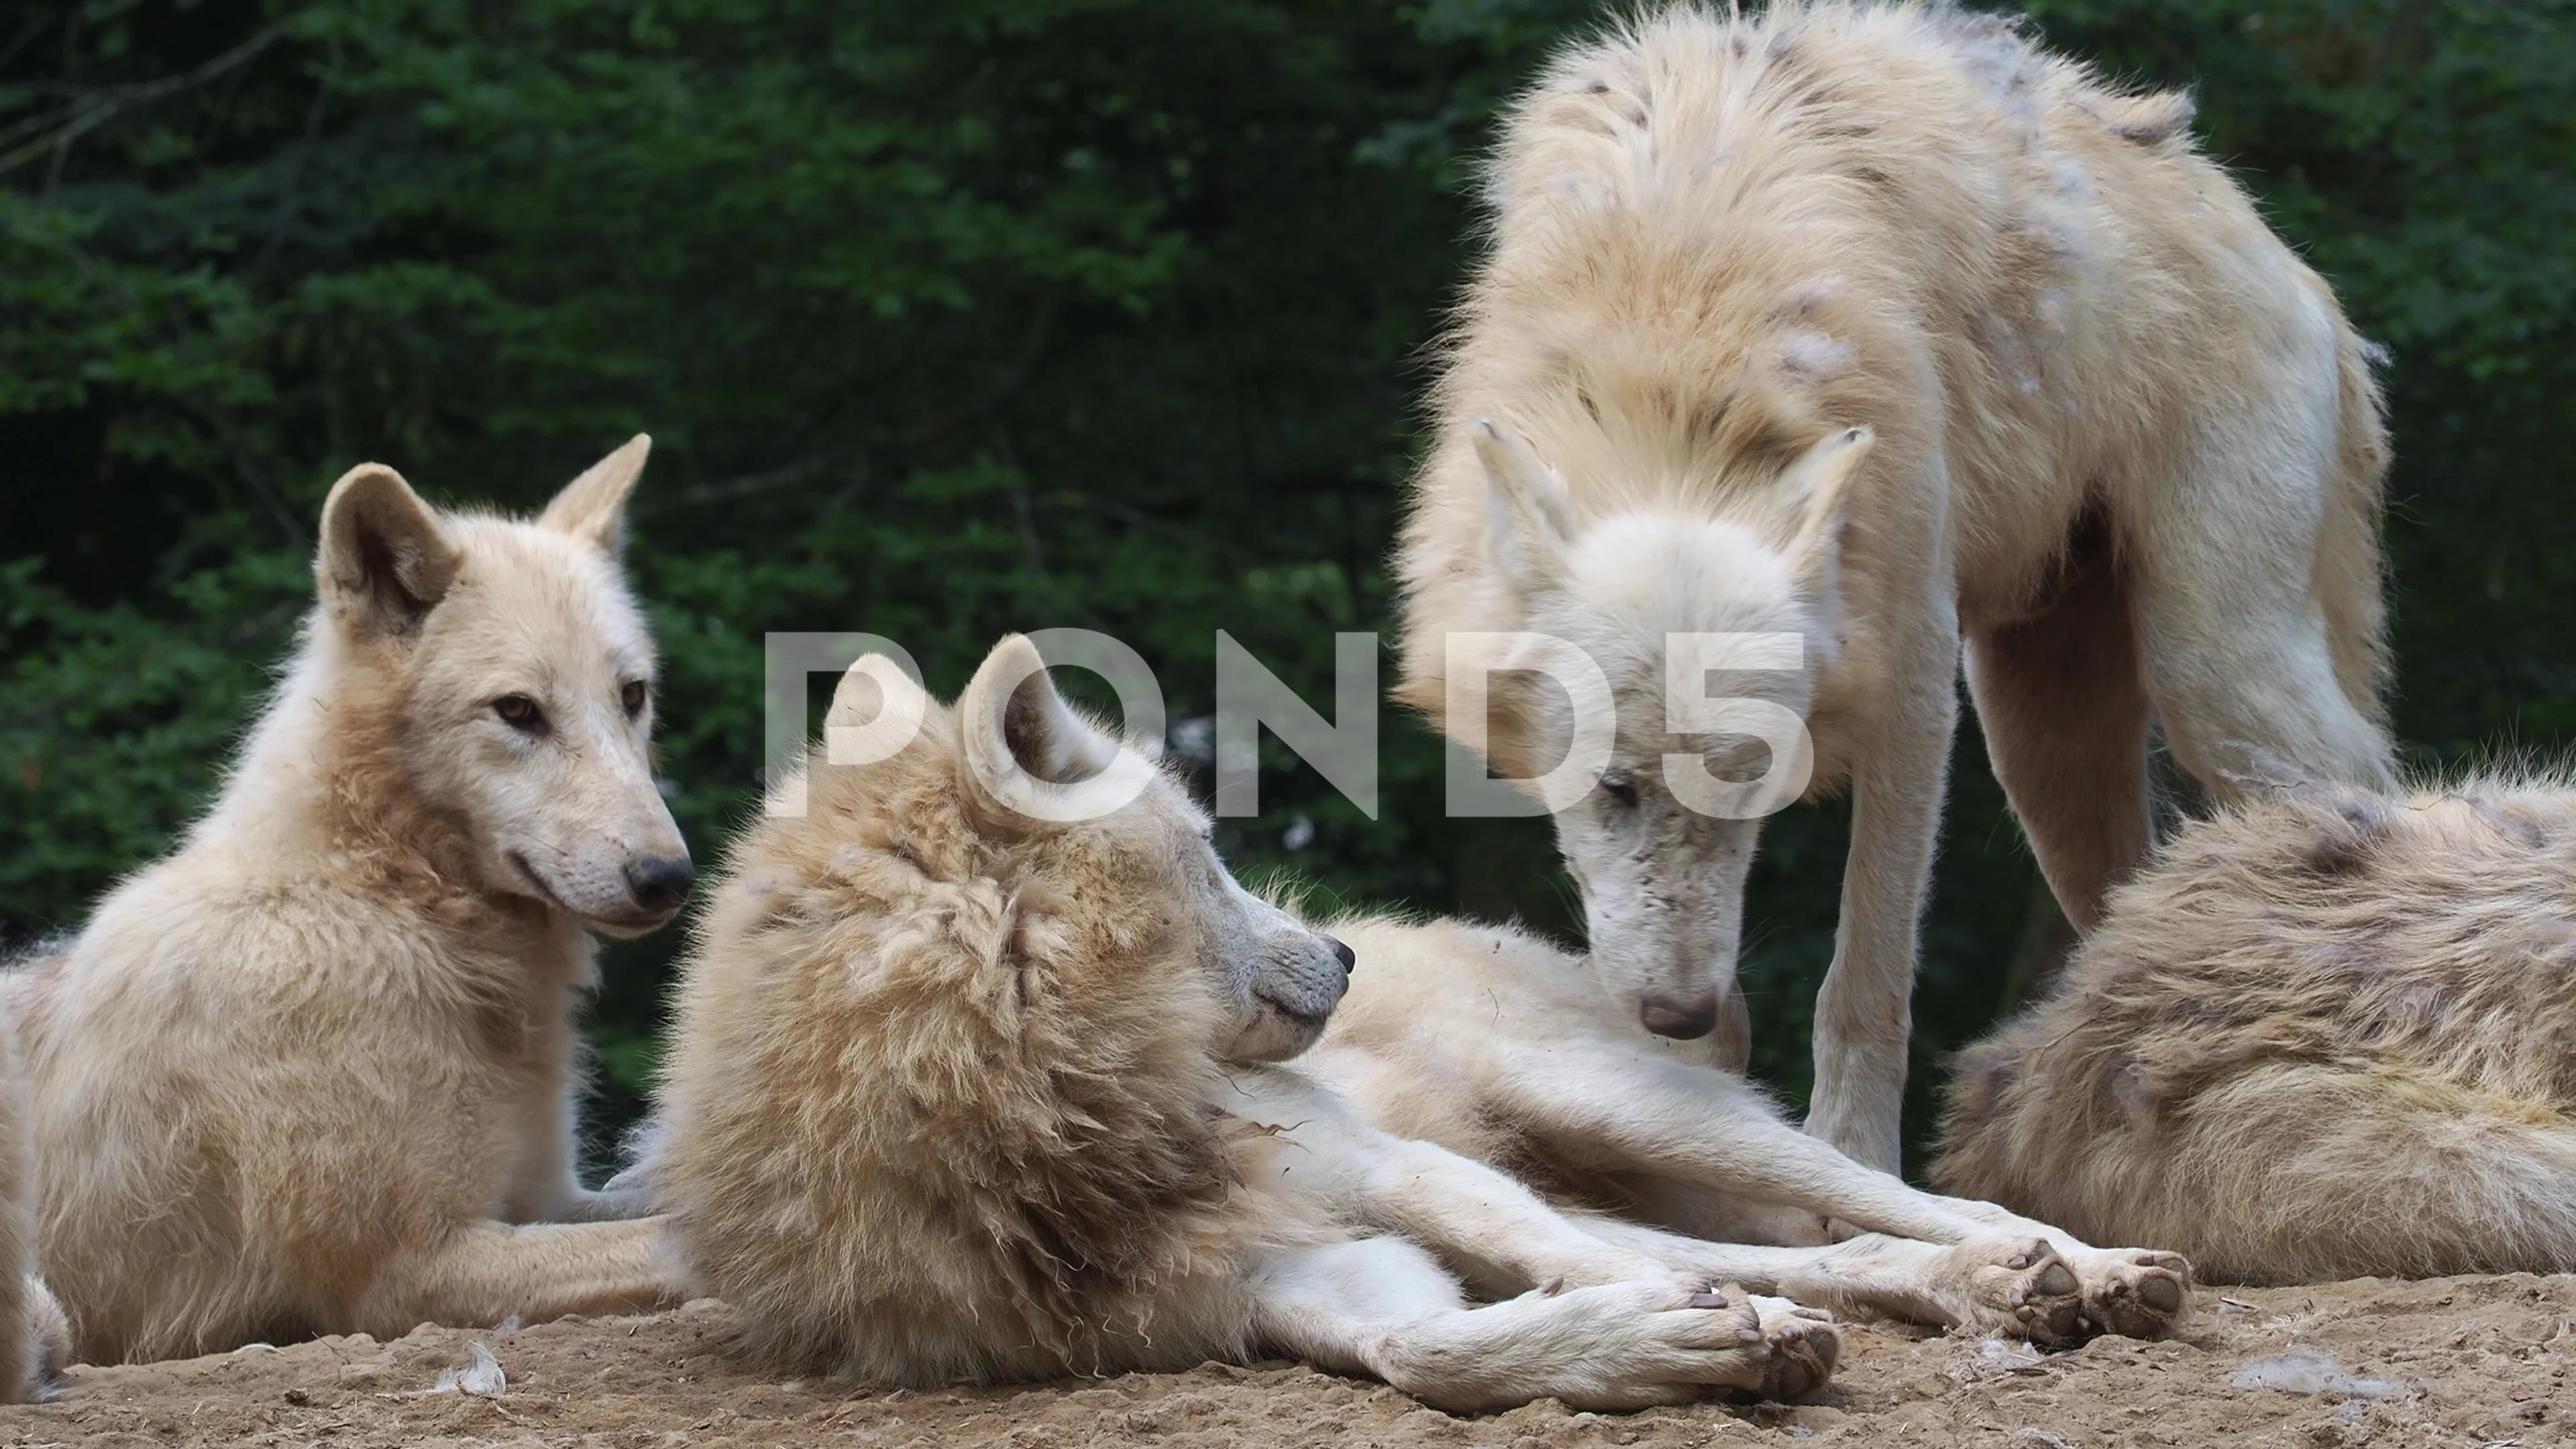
column 1664, row 1017
column 660, row 882
column 1344, row 954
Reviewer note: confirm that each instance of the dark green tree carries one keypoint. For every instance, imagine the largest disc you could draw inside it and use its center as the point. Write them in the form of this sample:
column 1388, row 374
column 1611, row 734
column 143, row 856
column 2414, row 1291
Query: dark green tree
column 949, row 319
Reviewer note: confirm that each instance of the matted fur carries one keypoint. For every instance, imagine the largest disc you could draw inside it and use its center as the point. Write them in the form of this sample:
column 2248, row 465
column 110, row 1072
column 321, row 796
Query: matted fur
column 310, row 1072
column 2329, row 1033
column 1881, row 327
column 972, row 1070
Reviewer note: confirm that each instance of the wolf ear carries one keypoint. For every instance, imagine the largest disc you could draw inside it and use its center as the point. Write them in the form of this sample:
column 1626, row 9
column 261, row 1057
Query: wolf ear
column 1529, row 517
column 877, row 709
column 592, row 507
column 1013, row 719
column 1022, row 745
column 385, row 559
column 1816, row 491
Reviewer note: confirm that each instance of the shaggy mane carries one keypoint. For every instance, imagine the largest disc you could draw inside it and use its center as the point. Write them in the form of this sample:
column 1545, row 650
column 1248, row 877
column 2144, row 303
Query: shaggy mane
column 1022, row 1065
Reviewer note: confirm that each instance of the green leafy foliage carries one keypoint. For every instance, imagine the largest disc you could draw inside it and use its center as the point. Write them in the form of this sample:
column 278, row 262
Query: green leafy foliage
column 950, row 319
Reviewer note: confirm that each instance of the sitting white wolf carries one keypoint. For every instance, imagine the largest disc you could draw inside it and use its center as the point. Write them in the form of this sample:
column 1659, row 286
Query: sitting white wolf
column 313, row 1072
column 962, row 1084
column 35, row 1339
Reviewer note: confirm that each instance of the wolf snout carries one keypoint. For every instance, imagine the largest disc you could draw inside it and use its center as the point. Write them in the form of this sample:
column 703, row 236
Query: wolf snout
column 660, row 882
column 1343, row 953
column 1683, row 1019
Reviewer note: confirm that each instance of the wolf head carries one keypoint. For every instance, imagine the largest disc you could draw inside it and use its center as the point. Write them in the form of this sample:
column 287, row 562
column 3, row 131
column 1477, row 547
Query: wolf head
column 1708, row 636
column 1085, row 824
column 512, row 675
column 967, row 1018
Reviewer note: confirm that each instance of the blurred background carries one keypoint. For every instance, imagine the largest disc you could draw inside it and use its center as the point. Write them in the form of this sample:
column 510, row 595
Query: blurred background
column 960, row 317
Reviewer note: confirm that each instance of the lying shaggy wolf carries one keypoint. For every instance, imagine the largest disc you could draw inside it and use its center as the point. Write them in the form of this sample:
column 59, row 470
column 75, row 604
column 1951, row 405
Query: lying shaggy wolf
column 954, row 1091
column 1878, row 329
column 2327, row 1034
column 1506, row 1050
column 313, row 1072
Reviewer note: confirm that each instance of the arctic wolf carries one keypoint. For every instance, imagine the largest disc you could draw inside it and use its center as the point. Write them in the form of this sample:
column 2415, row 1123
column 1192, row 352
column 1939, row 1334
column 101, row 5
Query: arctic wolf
column 1503, row 1049
column 313, row 1073
column 35, row 1341
column 2326, row 1034
column 1878, row 330
column 963, row 1085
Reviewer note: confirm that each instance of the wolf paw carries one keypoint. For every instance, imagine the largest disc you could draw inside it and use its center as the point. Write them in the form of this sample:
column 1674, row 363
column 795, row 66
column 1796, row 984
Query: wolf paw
column 2026, row 1289
column 1735, row 1319
column 2134, row 1292
column 1804, row 1348
column 1665, row 1341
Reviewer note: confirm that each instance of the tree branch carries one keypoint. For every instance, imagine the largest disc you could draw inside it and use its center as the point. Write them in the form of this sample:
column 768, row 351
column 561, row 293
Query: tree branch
column 90, row 109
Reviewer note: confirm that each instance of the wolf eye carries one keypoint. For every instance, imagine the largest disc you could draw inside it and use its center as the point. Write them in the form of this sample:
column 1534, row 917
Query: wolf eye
column 1620, row 788
column 633, row 697
column 519, row 712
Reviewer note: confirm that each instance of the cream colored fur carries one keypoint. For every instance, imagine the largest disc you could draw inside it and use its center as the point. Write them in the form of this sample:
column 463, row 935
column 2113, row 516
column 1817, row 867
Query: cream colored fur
column 35, row 1338
column 1505, row 1050
column 956, row 1092
column 315, row 1071
column 2329, row 1033
column 1881, row 328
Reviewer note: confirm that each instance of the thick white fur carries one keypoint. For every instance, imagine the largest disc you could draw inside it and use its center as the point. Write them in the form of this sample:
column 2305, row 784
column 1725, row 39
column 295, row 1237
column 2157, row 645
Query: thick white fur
column 1506, row 1051
column 35, row 1338
column 958, row 1093
column 2327, row 1034
column 1880, row 328
column 314, row 1072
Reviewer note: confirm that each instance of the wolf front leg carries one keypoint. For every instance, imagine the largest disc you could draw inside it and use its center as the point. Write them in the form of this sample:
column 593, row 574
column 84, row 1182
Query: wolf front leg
column 484, row 1272
column 1506, row 1237
column 545, row 1182
column 1383, row 1307
column 2021, row 1287
column 1641, row 1113
column 1865, row 1011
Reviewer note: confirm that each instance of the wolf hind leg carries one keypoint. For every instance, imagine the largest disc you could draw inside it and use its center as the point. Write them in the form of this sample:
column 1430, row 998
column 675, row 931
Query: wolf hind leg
column 2251, row 618
column 1643, row 1113
column 487, row 1271
column 2063, row 705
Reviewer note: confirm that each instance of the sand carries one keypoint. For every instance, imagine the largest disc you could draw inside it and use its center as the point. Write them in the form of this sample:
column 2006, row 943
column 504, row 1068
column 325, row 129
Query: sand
column 2465, row 1361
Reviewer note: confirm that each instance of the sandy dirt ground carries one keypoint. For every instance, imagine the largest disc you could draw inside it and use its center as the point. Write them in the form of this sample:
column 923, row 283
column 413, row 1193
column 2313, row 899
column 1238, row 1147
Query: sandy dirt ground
column 2461, row 1361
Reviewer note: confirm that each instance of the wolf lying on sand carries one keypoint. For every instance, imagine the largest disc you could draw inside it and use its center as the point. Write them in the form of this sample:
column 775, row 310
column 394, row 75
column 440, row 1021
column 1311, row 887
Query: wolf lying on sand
column 961, row 1085
column 1881, row 331
column 958, row 1091
column 313, row 1072
column 1501, row 1048
column 2328, row 1033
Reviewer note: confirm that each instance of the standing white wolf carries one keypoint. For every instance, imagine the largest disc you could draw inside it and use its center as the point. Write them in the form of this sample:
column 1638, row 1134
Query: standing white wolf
column 313, row 1073
column 1881, row 329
